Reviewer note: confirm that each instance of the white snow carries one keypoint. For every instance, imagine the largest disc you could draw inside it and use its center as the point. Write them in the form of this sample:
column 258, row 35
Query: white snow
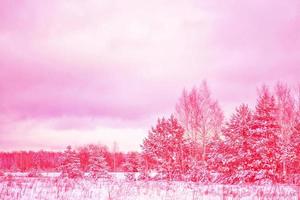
column 52, row 187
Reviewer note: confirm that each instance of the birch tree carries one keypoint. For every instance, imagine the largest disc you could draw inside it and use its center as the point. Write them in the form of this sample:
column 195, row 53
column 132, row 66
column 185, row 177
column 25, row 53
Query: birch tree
column 200, row 115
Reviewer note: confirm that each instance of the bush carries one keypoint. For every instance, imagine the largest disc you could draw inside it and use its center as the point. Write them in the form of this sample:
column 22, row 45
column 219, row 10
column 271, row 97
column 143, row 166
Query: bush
column 130, row 176
column 34, row 173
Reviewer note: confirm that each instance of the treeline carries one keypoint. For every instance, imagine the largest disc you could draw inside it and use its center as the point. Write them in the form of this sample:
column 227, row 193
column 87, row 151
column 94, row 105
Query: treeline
column 46, row 161
column 22, row 161
column 260, row 145
column 256, row 145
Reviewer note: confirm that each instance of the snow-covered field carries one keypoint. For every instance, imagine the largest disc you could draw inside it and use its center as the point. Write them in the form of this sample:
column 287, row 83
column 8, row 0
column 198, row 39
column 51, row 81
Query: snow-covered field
column 50, row 188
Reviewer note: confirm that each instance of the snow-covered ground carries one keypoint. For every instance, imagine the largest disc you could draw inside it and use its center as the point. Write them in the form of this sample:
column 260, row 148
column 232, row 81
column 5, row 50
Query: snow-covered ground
column 115, row 175
column 51, row 187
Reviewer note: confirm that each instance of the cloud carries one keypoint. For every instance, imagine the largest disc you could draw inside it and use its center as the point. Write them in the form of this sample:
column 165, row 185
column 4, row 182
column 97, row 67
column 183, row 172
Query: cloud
column 37, row 135
column 120, row 64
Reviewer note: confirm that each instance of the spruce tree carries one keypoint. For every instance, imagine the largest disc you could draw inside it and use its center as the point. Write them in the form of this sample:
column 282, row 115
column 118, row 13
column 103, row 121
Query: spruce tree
column 71, row 164
column 130, row 166
column 235, row 152
column 264, row 139
column 164, row 145
column 98, row 167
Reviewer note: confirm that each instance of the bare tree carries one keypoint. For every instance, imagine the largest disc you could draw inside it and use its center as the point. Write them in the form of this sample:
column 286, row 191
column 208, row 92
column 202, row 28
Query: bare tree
column 200, row 115
column 286, row 117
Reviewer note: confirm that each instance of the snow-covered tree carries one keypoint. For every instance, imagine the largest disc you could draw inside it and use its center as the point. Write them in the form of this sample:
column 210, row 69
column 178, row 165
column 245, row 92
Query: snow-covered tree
column 232, row 155
column 145, row 164
column 97, row 165
column 286, row 117
column 131, row 162
column 131, row 165
column 196, row 171
column 200, row 115
column 295, row 138
column 164, row 145
column 192, row 164
column 71, row 164
column 264, row 138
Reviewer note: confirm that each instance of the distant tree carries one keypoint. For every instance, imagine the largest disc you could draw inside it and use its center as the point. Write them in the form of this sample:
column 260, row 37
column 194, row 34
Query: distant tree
column 34, row 173
column 200, row 115
column 131, row 165
column 84, row 158
column 97, row 164
column 131, row 162
column 264, row 138
column 164, row 145
column 144, row 163
column 71, row 164
column 114, row 151
column 36, row 161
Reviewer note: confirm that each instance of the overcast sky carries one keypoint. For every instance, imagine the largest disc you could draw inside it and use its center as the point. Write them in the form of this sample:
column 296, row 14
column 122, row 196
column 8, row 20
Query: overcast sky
column 99, row 71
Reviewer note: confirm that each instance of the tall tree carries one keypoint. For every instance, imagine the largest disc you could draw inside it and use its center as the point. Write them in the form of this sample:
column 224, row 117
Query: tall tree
column 200, row 115
column 164, row 145
column 232, row 155
column 264, row 138
column 286, row 117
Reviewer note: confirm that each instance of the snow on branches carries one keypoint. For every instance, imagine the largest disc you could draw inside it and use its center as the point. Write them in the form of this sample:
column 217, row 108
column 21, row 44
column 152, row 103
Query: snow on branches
column 165, row 146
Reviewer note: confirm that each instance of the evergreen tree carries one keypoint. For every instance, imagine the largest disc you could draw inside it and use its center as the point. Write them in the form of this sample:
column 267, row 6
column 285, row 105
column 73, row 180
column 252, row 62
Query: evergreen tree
column 130, row 166
column 264, row 139
column 193, row 167
column 71, row 164
column 164, row 145
column 131, row 162
column 97, row 165
column 232, row 155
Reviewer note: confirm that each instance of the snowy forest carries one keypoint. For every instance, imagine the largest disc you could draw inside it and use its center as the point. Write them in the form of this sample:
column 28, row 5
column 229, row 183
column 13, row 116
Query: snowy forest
column 196, row 143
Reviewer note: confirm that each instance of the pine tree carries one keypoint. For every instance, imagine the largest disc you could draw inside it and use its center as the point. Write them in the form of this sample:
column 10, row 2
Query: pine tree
column 130, row 166
column 196, row 171
column 97, row 165
column 232, row 155
column 164, row 145
column 131, row 162
column 264, row 139
column 71, row 164
column 193, row 167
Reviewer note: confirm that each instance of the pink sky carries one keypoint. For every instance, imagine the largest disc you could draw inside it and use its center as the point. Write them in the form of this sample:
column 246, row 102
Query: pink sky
column 99, row 71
